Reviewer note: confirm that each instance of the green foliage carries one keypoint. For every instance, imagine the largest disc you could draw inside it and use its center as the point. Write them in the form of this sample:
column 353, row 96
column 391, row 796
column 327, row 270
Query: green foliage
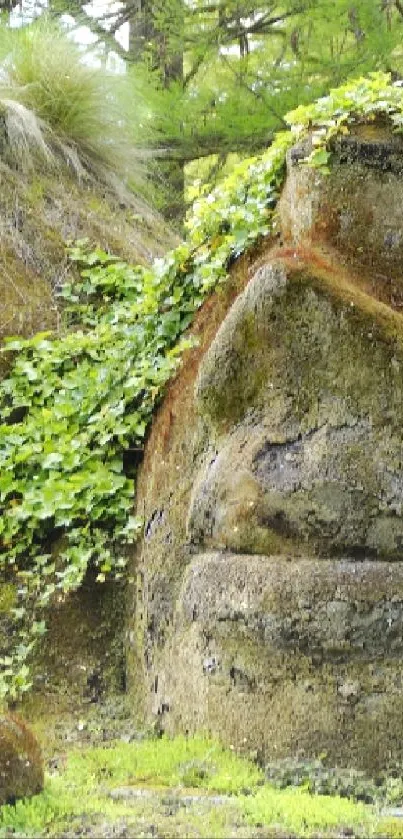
column 363, row 100
column 77, row 405
column 245, row 64
column 217, row 78
column 301, row 814
column 168, row 768
column 58, row 107
column 85, row 399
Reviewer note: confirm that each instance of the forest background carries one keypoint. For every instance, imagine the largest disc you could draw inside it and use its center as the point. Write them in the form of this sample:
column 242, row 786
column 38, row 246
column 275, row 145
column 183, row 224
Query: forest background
column 213, row 78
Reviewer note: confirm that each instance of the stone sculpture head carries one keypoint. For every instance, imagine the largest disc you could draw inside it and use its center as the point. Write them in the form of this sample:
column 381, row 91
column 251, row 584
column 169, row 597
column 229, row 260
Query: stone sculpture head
column 269, row 606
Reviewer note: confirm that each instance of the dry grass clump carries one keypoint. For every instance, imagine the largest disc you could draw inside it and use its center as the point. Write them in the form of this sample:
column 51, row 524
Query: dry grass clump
column 55, row 106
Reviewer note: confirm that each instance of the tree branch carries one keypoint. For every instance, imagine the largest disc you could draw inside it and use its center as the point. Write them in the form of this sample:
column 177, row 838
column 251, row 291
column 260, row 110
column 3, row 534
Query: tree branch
column 186, row 151
column 82, row 18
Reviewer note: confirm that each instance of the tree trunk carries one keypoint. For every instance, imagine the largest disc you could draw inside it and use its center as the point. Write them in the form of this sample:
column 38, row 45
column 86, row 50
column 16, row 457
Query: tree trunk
column 156, row 33
column 156, row 36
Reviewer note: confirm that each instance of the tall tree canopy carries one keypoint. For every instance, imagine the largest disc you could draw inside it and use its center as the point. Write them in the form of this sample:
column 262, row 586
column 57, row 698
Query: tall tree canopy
column 219, row 75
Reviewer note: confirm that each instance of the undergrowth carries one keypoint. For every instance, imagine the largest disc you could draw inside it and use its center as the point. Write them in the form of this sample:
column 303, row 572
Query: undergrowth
column 87, row 791
column 76, row 406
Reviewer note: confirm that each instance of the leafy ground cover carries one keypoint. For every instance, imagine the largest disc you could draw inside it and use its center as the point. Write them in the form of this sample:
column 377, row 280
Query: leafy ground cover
column 184, row 787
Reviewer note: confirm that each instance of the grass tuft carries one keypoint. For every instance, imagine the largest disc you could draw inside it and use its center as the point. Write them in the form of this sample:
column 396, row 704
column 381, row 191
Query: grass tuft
column 23, row 133
column 57, row 106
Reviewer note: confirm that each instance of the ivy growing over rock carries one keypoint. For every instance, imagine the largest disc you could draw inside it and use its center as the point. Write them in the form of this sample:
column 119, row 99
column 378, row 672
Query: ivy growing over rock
column 77, row 402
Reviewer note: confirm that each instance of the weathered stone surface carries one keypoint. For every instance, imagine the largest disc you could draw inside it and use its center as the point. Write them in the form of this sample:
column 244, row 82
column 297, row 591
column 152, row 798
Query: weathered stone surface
column 311, row 452
column 269, row 594
column 277, row 655
column 356, row 211
column 78, row 670
column 21, row 769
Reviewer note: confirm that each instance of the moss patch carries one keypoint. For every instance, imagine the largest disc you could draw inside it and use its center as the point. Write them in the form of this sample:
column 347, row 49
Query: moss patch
column 181, row 787
column 78, row 671
column 7, row 597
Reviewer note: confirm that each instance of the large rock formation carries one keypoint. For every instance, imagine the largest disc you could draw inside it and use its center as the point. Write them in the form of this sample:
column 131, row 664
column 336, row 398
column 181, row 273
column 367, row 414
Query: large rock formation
column 268, row 605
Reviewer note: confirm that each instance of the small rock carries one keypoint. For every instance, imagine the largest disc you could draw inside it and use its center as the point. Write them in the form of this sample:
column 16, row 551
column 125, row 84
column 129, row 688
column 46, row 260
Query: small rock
column 210, row 665
column 21, row 767
column 349, row 691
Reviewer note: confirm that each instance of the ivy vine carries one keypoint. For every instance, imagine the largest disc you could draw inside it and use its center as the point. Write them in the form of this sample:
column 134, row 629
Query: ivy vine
column 75, row 403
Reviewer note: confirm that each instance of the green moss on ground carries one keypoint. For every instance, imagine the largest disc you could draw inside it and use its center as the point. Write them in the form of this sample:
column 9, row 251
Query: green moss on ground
column 180, row 787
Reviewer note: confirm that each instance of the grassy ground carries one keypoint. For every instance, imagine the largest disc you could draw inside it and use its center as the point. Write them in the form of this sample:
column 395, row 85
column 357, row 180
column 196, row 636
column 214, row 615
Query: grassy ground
column 185, row 787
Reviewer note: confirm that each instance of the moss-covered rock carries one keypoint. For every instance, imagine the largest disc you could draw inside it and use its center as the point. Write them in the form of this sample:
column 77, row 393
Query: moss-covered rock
column 78, row 670
column 268, row 603
column 355, row 211
column 286, row 656
column 21, row 769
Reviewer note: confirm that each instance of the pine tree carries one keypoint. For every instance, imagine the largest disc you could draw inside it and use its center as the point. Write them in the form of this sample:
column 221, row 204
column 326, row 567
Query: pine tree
column 219, row 75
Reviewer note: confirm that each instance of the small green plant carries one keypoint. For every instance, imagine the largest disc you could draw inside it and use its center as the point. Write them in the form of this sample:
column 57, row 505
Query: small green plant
column 77, row 405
